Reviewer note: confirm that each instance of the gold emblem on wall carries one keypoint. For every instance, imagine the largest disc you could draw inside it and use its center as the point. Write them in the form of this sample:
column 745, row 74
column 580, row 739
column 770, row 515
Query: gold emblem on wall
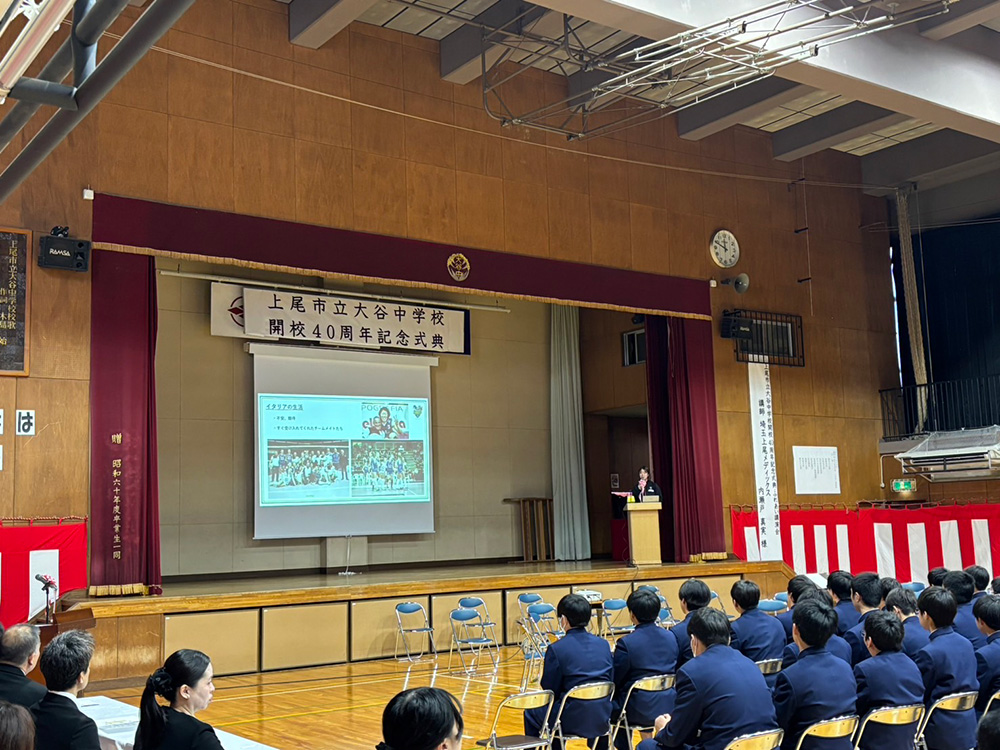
column 459, row 267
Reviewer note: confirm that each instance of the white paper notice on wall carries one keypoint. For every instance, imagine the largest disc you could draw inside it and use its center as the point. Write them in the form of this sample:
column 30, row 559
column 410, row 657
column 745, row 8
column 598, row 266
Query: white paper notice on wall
column 817, row 470
column 1, row 421
column 1, row 458
column 41, row 562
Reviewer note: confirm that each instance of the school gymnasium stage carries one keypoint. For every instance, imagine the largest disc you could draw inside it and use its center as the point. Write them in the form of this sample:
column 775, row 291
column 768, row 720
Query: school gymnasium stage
column 308, row 660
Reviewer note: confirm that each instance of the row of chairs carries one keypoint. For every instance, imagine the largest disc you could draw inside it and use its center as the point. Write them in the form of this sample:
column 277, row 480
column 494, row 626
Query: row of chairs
column 472, row 632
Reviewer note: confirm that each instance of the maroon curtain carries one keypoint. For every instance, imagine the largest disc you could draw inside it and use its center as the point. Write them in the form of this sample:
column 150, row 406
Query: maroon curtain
column 124, row 503
column 694, row 432
column 658, row 408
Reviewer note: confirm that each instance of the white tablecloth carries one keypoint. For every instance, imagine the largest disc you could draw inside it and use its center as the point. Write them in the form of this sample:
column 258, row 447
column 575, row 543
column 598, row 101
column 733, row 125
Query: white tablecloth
column 117, row 722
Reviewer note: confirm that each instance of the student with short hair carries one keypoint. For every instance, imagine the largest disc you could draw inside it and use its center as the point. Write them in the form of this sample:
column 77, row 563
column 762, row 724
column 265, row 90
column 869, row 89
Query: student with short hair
column 576, row 658
column 648, row 650
column 888, row 678
column 757, row 635
column 836, row 645
column 947, row 665
column 887, row 584
column 995, row 586
column 839, row 585
column 19, row 655
column 962, row 587
column 721, row 694
column 693, row 595
column 59, row 723
column 420, row 718
column 980, row 579
column 796, row 587
column 935, row 576
column 818, row 686
column 987, row 614
column 866, row 594
column 903, row 604
column 988, row 734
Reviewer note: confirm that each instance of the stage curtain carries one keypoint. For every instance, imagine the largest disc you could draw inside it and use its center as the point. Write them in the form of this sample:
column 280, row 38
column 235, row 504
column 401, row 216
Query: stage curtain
column 124, row 503
column 694, row 431
column 657, row 377
column 569, row 479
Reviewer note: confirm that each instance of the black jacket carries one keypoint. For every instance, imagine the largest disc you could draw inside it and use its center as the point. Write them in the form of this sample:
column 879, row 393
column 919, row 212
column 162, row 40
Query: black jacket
column 17, row 689
column 60, row 725
column 185, row 732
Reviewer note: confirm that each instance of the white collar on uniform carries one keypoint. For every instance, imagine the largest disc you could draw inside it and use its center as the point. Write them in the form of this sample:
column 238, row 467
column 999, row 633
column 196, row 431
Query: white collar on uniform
column 66, row 695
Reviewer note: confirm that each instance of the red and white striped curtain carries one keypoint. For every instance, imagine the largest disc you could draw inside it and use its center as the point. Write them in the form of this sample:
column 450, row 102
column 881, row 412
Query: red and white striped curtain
column 901, row 543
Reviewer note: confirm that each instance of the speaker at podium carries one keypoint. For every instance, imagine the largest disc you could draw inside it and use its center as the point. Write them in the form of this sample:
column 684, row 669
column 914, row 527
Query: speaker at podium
column 644, row 530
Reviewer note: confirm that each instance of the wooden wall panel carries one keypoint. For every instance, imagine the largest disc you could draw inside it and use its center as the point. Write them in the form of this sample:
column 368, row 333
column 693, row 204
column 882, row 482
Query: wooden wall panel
column 443, row 604
column 551, row 595
column 8, row 400
column 231, row 639
column 60, row 324
column 374, row 627
column 104, row 665
column 140, row 644
column 294, row 637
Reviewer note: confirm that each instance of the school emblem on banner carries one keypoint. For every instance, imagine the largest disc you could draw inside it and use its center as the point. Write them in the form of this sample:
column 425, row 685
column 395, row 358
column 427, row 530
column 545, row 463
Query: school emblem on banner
column 459, row 267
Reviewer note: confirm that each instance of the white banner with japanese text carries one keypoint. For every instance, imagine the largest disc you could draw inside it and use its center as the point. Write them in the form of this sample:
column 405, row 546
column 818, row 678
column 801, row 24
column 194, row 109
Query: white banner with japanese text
column 765, row 471
column 353, row 321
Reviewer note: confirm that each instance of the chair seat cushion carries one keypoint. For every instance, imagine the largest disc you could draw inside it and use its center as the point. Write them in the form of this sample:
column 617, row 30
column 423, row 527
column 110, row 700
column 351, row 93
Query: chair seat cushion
column 515, row 742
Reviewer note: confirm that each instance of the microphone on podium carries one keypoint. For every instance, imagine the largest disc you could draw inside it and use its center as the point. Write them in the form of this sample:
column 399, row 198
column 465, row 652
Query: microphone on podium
column 46, row 581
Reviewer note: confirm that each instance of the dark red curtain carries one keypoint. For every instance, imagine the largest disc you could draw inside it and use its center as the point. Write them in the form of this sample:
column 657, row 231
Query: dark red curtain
column 694, row 433
column 124, row 502
column 658, row 408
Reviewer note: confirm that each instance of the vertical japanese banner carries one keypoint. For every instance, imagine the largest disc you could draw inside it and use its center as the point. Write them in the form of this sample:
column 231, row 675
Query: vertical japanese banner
column 764, row 467
column 15, row 299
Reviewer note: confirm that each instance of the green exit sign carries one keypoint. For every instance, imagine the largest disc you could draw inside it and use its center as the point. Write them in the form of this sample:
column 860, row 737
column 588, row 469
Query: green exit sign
column 904, row 485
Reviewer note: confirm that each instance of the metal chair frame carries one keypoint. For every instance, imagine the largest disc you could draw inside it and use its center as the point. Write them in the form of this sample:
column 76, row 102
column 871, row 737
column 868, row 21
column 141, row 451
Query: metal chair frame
column 841, row 726
column 522, row 701
column 610, row 615
column 526, row 599
column 533, row 649
column 954, row 702
column 767, row 740
column 590, row 691
column 408, row 609
column 489, row 625
column 769, row 666
column 468, row 620
column 989, row 705
column 653, row 684
column 892, row 716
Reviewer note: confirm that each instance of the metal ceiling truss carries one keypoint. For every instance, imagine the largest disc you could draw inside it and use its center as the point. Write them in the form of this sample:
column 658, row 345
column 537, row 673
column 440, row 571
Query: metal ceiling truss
column 633, row 83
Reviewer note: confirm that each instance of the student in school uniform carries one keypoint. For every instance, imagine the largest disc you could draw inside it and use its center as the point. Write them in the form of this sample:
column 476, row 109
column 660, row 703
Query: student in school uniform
column 796, row 587
column 836, row 645
column 693, row 595
column 947, row 665
column 980, row 579
column 757, row 635
column 839, row 585
column 866, row 594
column 935, row 576
column 721, row 694
column 888, row 584
column 889, row 678
column 962, row 587
column 903, row 604
column 987, row 613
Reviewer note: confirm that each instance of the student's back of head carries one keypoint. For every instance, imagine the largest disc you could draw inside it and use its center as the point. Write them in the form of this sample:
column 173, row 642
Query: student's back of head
column 695, row 594
column 935, row 576
column 939, row 605
column 746, row 594
column 839, row 584
column 575, row 609
column 19, row 645
column 884, row 630
column 815, row 620
column 817, row 594
column 867, row 587
column 961, row 585
column 980, row 576
column 989, row 731
column 66, row 659
column 423, row 718
column 709, row 626
column 887, row 585
column 17, row 728
column 987, row 609
column 995, row 586
column 903, row 600
column 644, row 605
column 798, row 585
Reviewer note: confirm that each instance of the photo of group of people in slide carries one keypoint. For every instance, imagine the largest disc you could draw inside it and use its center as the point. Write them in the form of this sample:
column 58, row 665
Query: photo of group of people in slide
column 388, row 422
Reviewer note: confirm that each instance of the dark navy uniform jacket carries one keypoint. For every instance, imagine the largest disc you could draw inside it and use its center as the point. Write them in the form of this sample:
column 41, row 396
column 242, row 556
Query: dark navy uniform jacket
column 965, row 624
column 948, row 665
column 859, row 652
column 888, row 679
column 576, row 658
column 680, row 632
column 648, row 650
column 816, row 687
column 758, row 636
column 721, row 693
column 914, row 636
column 988, row 670
column 785, row 618
column 836, row 646
column 847, row 616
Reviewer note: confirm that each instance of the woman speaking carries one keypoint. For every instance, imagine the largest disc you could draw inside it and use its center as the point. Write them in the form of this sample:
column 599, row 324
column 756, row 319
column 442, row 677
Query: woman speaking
column 185, row 682
column 645, row 486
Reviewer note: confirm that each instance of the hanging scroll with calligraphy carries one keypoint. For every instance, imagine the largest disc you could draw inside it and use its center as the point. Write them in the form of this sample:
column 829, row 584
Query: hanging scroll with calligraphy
column 15, row 287
column 765, row 471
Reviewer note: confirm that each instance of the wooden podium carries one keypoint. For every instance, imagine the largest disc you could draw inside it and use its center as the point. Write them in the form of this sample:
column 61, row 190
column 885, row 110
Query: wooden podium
column 644, row 530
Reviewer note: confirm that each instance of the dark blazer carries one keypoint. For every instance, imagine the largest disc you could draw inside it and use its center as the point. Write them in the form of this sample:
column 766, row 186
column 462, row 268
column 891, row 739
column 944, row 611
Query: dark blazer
column 859, row 652
column 647, row 651
column 836, row 646
column 785, row 618
column 184, row 732
column 816, row 687
column 847, row 616
column 914, row 636
column 977, row 596
column 889, row 679
column 576, row 658
column 988, row 671
column 16, row 688
column 680, row 632
column 652, row 488
column 758, row 636
column 965, row 625
column 60, row 725
column 948, row 665
column 720, row 696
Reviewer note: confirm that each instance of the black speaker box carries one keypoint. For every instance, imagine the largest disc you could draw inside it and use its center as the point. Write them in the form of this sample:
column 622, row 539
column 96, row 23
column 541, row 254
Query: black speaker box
column 64, row 252
column 735, row 327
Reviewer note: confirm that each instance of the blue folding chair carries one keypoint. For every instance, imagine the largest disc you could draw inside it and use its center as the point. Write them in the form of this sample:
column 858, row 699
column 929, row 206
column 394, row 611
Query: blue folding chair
column 526, row 600
column 772, row 606
column 915, row 586
column 782, row 596
column 720, row 605
column 413, row 612
column 465, row 624
column 614, row 619
column 489, row 626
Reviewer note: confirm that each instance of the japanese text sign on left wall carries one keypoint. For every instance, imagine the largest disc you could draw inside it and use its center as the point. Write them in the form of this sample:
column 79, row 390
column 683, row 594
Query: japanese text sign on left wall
column 15, row 281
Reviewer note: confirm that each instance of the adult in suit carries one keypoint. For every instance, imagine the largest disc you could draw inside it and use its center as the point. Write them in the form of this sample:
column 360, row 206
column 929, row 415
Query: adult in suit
column 866, row 594
column 693, row 595
column 648, row 650
column 59, row 723
column 839, row 585
column 796, row 587
column 185, row 682
column 960, row 584
column 948, row 665
column 720, row 693
column 836, row 645
column 987, row 614
column 19, row 654
column 819, row 685
column 645, row 486
column 980, row 579
column 576, row 658
column 903, row 604
column 889, row 678
column 419, row 718
column 887, row 584
column 757, row 635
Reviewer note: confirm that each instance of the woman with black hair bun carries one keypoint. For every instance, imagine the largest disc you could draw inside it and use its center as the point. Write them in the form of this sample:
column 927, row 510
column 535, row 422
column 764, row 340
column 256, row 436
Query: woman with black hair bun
column 424, row 718
column 185, row 682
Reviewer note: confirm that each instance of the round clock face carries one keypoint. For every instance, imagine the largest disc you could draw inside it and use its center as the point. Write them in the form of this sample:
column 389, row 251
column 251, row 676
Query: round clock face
column 725, row 249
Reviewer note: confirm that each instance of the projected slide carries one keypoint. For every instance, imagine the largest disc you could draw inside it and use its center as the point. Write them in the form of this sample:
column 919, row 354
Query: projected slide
column 328, row 450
